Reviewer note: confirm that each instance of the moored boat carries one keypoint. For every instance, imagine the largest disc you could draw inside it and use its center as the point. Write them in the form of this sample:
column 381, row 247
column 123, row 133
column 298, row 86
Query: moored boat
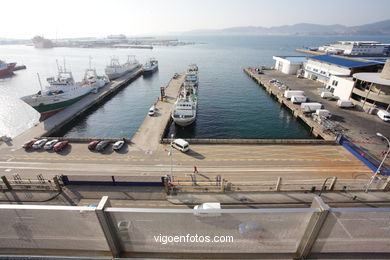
column 6, row 68
column 150, row 66
column 116, row 70
column 61, row 92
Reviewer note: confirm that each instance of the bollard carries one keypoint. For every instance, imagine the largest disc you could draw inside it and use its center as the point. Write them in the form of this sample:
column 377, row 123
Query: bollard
column 6, row 182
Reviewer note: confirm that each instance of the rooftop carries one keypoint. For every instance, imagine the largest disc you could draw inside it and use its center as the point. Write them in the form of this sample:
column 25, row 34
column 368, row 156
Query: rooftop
column 343, row 62
column 372, row 77
column 293, row 59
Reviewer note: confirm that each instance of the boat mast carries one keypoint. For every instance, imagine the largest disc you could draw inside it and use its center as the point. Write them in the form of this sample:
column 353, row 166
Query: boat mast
column 40, row 83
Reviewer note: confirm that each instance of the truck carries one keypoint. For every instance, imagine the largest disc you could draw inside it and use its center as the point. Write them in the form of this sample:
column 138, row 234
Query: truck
column 323, row 113
column 207, row 209
column 298, row 99
column 326, row 94
column 289, row 93
column 310, row 107
column 345, row 103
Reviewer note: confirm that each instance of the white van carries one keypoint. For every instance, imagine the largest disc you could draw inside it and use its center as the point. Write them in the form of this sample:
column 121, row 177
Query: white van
column 181, row 145
column 384, row 115
column 207, row 209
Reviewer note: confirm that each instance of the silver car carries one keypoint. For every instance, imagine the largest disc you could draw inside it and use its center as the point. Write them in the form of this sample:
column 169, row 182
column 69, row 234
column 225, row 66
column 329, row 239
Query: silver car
column 101, row 145
column 39, row 144
column 49, row 145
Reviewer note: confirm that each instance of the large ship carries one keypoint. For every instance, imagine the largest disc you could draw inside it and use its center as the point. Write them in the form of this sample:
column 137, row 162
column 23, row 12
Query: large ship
column 185, row 107
column 150, row 66
column 91, row 77
column 40, row 42
column 116, row 70
column 61, row 92
column 6, row 68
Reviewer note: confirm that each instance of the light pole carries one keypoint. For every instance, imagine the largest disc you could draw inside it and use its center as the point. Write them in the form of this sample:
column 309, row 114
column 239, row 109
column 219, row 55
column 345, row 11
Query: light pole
column 380, row 165
column 170, row 152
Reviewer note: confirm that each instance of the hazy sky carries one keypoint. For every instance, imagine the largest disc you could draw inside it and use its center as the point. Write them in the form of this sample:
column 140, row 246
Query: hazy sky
column 75, row 18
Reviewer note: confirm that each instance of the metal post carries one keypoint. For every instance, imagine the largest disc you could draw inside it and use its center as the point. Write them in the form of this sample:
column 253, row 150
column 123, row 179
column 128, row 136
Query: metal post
column 6, row 182
column 380, row 165
column 313, row 228
column 107, row 227
column 57, row 183
column 278, row 184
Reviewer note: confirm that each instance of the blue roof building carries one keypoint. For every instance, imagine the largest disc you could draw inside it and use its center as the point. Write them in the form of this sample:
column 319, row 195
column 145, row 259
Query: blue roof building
column 322, row 67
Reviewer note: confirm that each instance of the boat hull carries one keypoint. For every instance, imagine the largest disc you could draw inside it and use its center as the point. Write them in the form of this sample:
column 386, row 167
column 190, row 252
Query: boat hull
column 9, row 70
column 184, row 121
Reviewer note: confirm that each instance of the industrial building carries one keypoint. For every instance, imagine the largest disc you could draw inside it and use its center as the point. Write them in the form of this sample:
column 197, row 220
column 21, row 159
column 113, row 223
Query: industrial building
column 289, row 64
column 356, row 48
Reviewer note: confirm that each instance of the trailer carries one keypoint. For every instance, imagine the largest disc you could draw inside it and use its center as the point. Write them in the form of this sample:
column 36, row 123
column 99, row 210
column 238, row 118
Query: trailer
column 345, row 104
column 289, row 93
column 310, row 107
column 298, row 99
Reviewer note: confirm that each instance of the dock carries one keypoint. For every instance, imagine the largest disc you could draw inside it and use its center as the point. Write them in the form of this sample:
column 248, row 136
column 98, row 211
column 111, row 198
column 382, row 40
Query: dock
column 72, row 112
column 263, row 80
column 151, row 131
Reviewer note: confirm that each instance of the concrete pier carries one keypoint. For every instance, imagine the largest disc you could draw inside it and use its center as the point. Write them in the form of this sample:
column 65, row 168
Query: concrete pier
column 151, row 131
column 316, row 129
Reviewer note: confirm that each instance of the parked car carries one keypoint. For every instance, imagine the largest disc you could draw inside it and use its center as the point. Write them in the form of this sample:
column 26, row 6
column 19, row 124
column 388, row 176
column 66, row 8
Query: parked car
column 118, row 145
column 39, row 144
column 384, row 115
column 29, row 144
column 60, row 146
column 101, row 145
column 175, row 76
column 92, row 145
column 49, row 145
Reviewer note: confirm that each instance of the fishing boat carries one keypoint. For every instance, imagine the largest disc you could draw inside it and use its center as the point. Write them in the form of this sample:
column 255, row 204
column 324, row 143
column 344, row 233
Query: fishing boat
column 115, row 70
column 91, row 78
column 61, row 92
column 6, row 68
column 150, row 66
column 185, row 108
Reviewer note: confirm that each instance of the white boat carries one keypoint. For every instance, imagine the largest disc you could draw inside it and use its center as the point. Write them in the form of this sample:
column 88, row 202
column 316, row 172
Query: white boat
column 116, row 70
column 192, row 75
column 150, row 66
column 61, row 92
column 185, row 108
column 91, row 78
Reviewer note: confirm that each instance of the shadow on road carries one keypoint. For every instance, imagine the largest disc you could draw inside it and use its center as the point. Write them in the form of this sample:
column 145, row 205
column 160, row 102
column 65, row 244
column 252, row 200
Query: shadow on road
column 194, row 154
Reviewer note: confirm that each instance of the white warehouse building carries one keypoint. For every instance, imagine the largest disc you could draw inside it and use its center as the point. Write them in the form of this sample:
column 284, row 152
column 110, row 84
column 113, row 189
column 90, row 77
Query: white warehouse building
column 289, row 64
column 356, row 48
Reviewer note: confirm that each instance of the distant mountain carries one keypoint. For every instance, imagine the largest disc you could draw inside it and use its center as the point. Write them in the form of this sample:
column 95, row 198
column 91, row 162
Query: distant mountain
column 378, row 28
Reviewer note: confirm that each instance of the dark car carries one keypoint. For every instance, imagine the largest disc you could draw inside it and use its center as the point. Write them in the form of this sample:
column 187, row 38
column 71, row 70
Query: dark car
column 101, row 146
column 60, row 146
column 92, row 145
column 29, row 144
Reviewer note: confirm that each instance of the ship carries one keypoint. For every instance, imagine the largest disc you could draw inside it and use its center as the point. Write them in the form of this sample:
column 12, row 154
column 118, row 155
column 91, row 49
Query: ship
column 6, row 68
column 185, row 108
column 61, row 92
column 91, row 78
column 116, row 70
column 150, row 66
column 40, row 42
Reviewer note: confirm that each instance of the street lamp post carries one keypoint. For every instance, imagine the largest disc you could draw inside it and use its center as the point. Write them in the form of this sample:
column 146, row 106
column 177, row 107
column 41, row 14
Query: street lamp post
column 170, row 152
column 380, row 165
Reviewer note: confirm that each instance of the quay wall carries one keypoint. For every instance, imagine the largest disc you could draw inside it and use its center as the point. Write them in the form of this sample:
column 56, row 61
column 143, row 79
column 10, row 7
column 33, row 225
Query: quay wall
column 256, row 141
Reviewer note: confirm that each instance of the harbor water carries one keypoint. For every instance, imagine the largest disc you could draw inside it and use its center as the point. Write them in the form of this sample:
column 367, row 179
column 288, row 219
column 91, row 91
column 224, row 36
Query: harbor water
column 230, row 104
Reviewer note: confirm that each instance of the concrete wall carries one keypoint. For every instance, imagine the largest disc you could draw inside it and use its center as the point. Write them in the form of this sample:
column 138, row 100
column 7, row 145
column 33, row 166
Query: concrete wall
column 253, row 141
column 342, row 86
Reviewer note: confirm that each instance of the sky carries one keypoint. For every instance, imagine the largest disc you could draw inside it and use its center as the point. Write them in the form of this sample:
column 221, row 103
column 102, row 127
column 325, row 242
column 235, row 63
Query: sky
column 78, row 18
